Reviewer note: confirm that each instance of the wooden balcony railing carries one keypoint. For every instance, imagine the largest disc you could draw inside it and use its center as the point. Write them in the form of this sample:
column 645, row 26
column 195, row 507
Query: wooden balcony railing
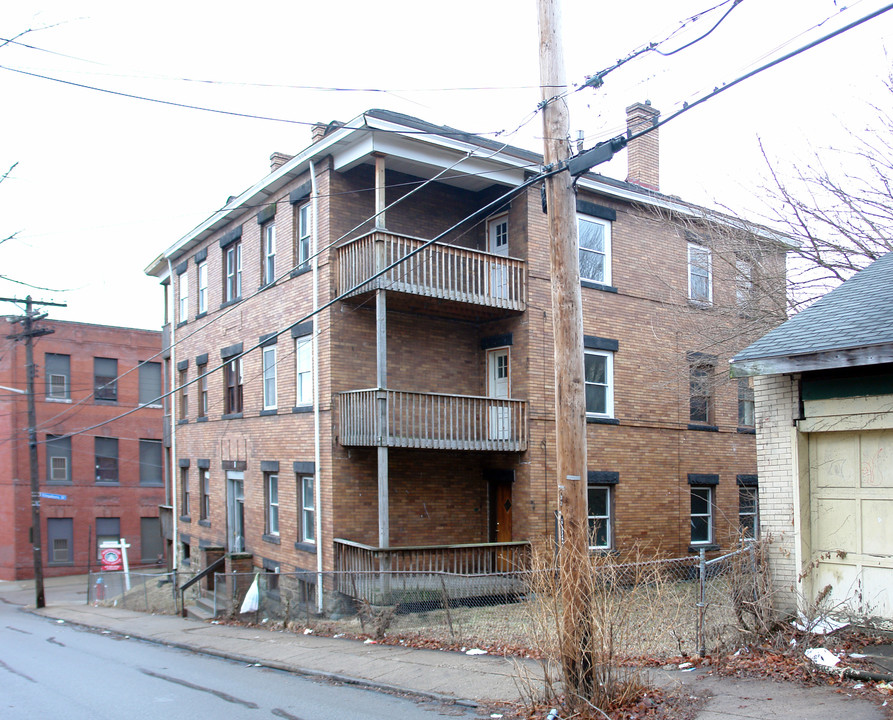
column 441, row 271
column 432, row 420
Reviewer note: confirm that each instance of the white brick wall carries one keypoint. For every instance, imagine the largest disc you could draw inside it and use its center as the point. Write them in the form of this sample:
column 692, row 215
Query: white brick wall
column 775, row 400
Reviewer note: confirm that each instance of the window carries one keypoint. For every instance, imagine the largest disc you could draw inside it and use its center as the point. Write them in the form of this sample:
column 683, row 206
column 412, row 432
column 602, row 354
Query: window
column 745, row 402
column 58, row 376
column 599, row 383
column 701, row 515
column 232, row 380
column 183, row 393
column 743, row 285
column 271, row 496
column 701, row 393
column 58, row 459
column 202, row 389
column 268, row 256
column 599, row 516
column 106, row 451
column 184, row 491
column 107, row 530
column 202, row 272
column 303, row 235
column 305, row 490
column 204, row 479
column 150, row 383
column 150, row 462
column 150, row 540
column 233, row 272
column 105, row 379
column 183, row 305
column 304, row 362
column 595, row 249
column 748, row 510
column 700, row 286
column 60, row 541
column 269, row 360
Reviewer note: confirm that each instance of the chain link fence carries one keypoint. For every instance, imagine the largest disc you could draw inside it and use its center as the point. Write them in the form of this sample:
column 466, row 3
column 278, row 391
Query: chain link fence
column 657, row 608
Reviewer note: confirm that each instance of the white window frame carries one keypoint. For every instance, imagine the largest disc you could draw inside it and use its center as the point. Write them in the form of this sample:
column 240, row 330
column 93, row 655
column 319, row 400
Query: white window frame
column 693, row 268
column 607, row 518
column 709, row 489
column 54, row 384
column 185, row 495
column 269, row 377
column 201, row 384
column 303, row 229
column 746, row 405
column 202, row 273
column 754, row 491
column 57, row 462
column 271, row 495
column 308, row 509
column 606, row 254
column 743, row 284
column 183, row 303
column 609, row 385
column 304, row 370
column 233, row 272
column 204, row 487
column 268, row 238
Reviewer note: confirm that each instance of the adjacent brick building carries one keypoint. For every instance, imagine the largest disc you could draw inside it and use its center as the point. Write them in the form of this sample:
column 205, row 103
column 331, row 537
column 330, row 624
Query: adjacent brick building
column 416, row 408
column 108, row 468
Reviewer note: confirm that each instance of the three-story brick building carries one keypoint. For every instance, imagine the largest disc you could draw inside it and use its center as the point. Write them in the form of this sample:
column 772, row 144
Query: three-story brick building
column 350, row 391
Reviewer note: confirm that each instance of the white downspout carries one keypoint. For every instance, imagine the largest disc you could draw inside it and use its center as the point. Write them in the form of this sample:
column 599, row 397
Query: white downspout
column 173, row 463
column 317, row 506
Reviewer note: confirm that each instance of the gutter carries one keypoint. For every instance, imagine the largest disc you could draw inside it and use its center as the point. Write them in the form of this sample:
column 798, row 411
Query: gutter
column 317, row 507
column 173, row 457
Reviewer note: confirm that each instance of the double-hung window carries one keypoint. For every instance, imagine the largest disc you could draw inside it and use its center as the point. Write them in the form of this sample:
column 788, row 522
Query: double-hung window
column 599, row 383
column 700, row 274
column 302, row 230
column 184, row 490
column 58, row 376
column 268, row 259
column 703, row 502
column 106, row 450
column 150, row 384
column 183, row 304
column 105, row 379
column 58, row 459
column 271, row 495
column 304, row 370
column 150, row 463
column 202, row 274
column 745, row 403
column 307, row 530
column 702, row 377
column 201, row 385
column 183, row 393
column 232, row 380
column 204, row 479
column 599, row 516
column 743, row 286
column 232, row 267
column 595, row 249
column 269, row 361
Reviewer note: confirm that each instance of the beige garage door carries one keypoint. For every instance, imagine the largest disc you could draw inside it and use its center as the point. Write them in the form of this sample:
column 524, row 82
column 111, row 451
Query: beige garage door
column 851, row 509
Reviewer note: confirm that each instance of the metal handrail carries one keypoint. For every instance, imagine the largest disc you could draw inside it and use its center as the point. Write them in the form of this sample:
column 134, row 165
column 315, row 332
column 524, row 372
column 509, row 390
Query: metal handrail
column 203, row 574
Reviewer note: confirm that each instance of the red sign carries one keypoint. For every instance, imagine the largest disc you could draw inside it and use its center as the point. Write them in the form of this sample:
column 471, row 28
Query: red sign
column 111, row 559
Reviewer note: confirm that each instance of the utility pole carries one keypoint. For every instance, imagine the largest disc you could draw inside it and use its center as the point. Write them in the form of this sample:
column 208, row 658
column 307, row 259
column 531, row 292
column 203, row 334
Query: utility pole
column 570, row 400
column 29, row 332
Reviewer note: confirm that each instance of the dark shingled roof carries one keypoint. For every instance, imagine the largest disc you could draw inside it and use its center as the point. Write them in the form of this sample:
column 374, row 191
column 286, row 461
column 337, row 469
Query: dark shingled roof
column 856, row 314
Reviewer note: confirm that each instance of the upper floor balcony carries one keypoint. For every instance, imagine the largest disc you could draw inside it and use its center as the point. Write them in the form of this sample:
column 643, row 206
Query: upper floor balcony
column 439, row 271
column 394, row 418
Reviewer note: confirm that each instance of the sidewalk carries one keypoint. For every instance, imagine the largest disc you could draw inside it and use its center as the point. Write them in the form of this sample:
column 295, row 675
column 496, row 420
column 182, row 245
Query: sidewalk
column 449, row 676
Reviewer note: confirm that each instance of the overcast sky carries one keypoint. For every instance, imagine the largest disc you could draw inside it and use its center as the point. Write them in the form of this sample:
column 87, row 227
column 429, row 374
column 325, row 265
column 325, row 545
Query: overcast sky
column 105, row 183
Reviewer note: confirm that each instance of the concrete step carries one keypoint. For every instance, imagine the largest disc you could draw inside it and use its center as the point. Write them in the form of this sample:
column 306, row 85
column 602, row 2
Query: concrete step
column 202, row 609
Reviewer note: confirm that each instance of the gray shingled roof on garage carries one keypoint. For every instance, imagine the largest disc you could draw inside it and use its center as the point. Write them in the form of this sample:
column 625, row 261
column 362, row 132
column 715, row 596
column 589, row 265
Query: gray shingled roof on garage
column 856, row 314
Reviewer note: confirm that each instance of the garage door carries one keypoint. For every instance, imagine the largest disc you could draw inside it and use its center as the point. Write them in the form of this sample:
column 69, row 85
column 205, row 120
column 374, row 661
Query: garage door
column 851, row 509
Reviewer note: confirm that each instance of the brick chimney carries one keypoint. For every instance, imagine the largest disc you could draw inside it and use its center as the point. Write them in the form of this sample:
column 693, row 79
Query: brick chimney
column 643, row 154
column 278, row 159
column 320, row 130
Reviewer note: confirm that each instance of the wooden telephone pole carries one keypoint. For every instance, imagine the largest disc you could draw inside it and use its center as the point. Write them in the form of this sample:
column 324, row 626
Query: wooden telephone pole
column 29, row 332
column 570, row 400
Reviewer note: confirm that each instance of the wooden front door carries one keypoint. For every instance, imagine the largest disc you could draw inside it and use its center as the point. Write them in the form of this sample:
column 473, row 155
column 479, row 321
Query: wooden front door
column 501, row 514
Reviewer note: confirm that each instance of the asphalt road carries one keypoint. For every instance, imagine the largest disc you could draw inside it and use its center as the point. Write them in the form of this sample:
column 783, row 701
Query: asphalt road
column 53, row 670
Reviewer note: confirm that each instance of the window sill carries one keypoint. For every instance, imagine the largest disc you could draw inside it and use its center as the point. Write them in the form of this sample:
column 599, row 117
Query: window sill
column 708, row 547
column 597, row 286
column 300, row 271
column 703, row 428
column 185, row 518
column 151, row 405
column 59, row 482
column 203, row 418
column 231, row 416
column 302, row 409
column 265, row 413
column 204, row 523
column 67, row 563
column 306, row 547
column 199, row 316
column 184, row 421
column 272, row 539
column 103, row 401
column 58, row 400
column 181, row 324
column 108, row 483
column 747, row 431
column 602, row 420
column 150, row 484
column 227, row 303
column 266, row 286
column 700, row 304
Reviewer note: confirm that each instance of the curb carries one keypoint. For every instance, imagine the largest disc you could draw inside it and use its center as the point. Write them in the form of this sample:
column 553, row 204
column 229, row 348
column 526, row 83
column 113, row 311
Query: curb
column 273, row 665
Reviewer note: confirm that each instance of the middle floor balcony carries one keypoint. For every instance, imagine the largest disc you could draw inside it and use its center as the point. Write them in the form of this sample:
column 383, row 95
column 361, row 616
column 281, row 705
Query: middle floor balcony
column 393, row 418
